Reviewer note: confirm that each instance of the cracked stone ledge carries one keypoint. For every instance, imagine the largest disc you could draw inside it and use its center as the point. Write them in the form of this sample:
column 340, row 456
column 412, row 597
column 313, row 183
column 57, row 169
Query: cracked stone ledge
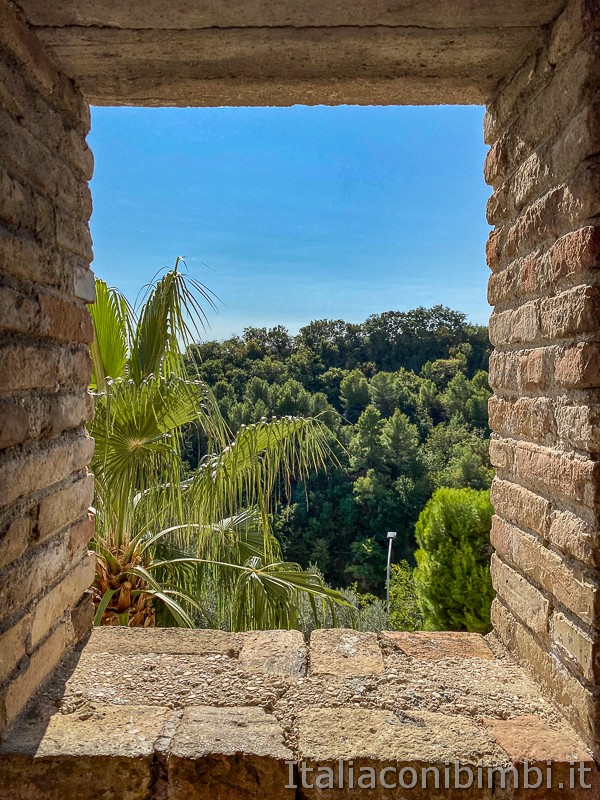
column 190, row 715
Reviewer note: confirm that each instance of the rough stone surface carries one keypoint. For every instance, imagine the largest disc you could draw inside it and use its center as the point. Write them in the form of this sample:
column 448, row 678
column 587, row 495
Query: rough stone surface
column 530, row 742
column 435, row 645
column 263, row 54
column 104, row 753
column 166, row 641
column 344, row 652
column 184, row 725
column 171, row 679
column 274, row 652
column 529, row 737
column 228, row 754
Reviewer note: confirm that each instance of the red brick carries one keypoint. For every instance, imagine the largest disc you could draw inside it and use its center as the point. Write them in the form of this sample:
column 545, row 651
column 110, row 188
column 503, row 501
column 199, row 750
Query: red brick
column 533, row 371
column 575, row 252
column 529, row 737
column 66, row 321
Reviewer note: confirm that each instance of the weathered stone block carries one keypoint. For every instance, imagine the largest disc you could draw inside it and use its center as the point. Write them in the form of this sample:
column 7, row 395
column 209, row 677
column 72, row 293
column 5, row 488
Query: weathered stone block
column 26, row 578
column 572, row 312
column 64, row 320
column 502, row 453
column 434, row 645
column 228, row 754
column 14, row 646
column 531, row 418
column 539, row 91
column 569, row 582
column 579, row 426
column 577, row 700
column 578, row 367
column 61, row 508
column 18, row 311
column 41, row 372
column 14, row 423
column 82, row 618
column 15, row 540
column 84, row 284
column 62, row 597
column 80, row 534
column 533, row 370
column 105, row 753
column 517, row 325
column 339, row 651
column 568, row 475
column 37, row 468
column 274, row 652
column 523, row 599
column 377, row 739
column 529, row 739
column 15, row 695
column 575, row 252
column 73, row 235
column 579, row 645
column 578, row 19
column 139, row 641
column 574, row 534
column 504, row 371
column 521, row 506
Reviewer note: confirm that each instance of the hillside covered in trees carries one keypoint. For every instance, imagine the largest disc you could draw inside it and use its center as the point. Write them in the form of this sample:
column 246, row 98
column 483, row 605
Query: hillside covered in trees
column 404, row 395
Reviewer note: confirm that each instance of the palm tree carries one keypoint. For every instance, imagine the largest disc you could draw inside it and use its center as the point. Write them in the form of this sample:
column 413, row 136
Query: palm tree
column 174, row 547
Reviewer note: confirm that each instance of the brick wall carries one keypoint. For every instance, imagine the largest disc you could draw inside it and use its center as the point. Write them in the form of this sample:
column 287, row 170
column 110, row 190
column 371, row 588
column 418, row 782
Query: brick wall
column 45, row 281
column 543, row 126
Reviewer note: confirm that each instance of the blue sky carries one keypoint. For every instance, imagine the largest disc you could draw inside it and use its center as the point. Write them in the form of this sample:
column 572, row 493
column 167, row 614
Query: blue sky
column 298, row 213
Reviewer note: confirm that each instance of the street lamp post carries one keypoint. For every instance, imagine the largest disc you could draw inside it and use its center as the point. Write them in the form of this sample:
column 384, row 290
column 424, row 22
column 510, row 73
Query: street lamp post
column 391, row 536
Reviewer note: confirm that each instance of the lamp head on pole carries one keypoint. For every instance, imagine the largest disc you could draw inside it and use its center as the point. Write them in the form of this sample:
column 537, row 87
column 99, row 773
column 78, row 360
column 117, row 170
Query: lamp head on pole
column 391, row 534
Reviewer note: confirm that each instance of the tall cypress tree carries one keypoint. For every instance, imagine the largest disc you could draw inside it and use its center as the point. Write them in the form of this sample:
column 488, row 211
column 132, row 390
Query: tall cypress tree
column 452, row 577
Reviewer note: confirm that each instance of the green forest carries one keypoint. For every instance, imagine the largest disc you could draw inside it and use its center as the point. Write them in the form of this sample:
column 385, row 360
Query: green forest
column 404, row 396
column 252, row 483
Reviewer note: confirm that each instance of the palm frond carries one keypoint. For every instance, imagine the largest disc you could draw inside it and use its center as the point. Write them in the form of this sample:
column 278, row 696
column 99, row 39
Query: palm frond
column 171, row 315
column 110, row 317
